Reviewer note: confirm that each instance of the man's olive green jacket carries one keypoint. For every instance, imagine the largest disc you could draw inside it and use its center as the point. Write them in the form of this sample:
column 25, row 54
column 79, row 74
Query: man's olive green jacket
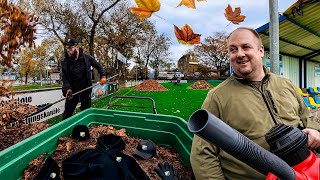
column 253, row 112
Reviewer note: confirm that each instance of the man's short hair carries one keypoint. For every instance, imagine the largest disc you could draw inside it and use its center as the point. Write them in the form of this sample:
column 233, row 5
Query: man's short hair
column 254, row 32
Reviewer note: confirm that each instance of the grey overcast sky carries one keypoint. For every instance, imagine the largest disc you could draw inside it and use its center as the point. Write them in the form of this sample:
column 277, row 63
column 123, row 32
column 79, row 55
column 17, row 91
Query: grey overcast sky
column 208, row 17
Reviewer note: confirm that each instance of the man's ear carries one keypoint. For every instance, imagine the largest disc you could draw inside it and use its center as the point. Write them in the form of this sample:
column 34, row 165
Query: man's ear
column 262, row 50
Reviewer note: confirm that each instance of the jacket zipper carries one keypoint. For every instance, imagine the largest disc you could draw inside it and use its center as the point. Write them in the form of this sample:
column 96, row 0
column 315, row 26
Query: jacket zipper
column 265, row 101
column 272, row 101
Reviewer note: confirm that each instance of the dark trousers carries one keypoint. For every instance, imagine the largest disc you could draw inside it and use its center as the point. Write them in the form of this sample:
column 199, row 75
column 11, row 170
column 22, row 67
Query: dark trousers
column 71, row 104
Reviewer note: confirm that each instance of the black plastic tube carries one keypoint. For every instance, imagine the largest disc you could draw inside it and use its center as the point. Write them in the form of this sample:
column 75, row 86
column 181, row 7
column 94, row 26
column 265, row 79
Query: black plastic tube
column 214, row 130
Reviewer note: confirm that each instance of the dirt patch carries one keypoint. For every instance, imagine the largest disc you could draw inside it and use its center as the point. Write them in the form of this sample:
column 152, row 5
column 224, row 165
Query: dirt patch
column 11, row 136
column 150, row 85
column 67, row 146
column 202, row 84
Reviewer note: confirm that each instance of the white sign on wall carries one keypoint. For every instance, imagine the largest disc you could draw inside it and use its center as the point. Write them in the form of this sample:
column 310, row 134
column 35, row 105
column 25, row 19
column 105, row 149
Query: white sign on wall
column 41, row 98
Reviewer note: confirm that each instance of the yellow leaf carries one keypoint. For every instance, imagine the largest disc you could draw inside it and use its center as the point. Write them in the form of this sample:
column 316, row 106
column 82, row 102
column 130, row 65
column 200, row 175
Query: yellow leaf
column 145, row 8
column 188, row 3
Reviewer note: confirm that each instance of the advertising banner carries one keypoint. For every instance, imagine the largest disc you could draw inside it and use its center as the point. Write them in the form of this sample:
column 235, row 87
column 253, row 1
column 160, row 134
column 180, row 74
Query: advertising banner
column 41, row 98
column 99, row 91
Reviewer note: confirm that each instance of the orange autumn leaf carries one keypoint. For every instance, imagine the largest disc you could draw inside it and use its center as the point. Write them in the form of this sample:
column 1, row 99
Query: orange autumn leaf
column 234, row 16
column 185, row 35
column 189, row 3
column 145, row 8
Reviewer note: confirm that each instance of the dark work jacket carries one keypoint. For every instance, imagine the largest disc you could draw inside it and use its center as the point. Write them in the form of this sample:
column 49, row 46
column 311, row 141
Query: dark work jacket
column 89, row 61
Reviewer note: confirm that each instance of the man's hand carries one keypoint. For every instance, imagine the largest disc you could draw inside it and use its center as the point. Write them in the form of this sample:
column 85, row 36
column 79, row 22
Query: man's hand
column 313, row 138
column 69, row 94
column 103, row 80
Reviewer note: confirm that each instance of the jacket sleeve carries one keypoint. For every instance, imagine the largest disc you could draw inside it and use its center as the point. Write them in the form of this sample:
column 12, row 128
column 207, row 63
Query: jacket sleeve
column 304, row 113
column 97, row 65
column 204, row 155
column 65, row 80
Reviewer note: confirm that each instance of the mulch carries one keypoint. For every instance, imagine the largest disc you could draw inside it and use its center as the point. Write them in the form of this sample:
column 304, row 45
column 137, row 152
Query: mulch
column 67, row 146
column 12, row 135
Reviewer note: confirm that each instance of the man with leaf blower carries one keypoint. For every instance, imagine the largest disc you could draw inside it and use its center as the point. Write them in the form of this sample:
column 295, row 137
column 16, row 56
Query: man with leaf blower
column 252, row 101
column 76, row 76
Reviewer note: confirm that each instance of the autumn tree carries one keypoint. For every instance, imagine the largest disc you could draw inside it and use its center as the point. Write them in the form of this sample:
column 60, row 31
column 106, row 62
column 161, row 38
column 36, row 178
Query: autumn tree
column 160, row 55
column 120, row 33
column 33, row 62
column 79, row 19
column 213, row 51
column 26, row 64
column 149, row 45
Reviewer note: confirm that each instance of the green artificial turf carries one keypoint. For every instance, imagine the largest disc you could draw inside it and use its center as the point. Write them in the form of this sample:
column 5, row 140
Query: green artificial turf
column 177, row 101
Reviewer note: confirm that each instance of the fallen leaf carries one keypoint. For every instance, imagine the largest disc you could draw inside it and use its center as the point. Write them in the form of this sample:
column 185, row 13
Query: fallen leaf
column 185, row 35
column 145, row 8
column 69, row 146
column 234, row 16
column 121, row 132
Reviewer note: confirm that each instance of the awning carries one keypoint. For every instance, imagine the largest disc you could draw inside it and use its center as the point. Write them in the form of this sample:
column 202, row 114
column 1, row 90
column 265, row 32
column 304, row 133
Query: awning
column 299, row 31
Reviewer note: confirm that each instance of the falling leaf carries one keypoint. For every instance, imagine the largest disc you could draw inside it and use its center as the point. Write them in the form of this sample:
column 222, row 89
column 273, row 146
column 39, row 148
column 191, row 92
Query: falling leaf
column 145, row 8
column 234, row 16
column 185, row 35
column 189, row 3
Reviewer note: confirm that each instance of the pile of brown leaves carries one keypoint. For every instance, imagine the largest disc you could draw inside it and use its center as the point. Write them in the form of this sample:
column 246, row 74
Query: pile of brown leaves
column 11, row 136
column 202, row 84
column 150, row 85
column 12, row 111
column 67, row 146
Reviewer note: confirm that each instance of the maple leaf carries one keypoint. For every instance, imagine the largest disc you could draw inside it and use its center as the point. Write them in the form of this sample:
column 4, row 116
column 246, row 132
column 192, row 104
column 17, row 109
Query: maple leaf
column 145, row 8
column 185, row 35
column 234, row 16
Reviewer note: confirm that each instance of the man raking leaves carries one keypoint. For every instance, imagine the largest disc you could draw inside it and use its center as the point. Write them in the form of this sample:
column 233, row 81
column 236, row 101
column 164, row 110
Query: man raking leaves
column 70, row 96
column 77, row 75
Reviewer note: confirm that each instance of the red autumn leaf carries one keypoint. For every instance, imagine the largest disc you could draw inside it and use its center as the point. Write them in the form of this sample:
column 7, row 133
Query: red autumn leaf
column 234, row 16
column 185, row 35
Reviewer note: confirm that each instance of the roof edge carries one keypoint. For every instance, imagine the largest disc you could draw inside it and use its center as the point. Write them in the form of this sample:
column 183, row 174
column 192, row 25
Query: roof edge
column 266, row 26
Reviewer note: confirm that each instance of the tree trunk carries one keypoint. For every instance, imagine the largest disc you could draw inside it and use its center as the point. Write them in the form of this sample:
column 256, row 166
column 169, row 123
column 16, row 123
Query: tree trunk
column 26, row 80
